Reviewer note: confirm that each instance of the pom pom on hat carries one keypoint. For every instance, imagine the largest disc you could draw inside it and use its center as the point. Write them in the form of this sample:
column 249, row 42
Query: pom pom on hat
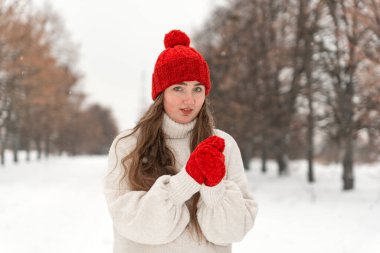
column 179, row 63
column 176, row 37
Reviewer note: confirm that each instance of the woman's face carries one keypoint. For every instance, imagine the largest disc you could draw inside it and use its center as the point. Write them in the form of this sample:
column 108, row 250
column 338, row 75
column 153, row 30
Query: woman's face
column 183, row 101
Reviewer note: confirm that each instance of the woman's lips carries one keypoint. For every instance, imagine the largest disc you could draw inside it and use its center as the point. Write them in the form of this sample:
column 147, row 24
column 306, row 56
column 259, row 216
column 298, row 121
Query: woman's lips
column 186, row 111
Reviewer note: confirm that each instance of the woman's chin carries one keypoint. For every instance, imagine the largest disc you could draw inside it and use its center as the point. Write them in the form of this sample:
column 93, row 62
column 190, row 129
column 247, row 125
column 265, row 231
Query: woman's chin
column 184, row 119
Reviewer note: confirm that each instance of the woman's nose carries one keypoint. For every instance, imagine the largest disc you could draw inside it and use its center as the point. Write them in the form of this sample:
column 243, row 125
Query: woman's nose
column 189, row 98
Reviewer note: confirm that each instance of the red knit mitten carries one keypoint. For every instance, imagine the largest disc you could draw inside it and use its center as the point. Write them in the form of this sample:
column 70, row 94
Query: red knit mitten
column 206, row 162
column 193, row 170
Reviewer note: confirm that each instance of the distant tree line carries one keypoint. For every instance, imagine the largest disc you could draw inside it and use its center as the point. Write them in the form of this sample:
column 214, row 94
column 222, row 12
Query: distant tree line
column 297, row 79
column 41, row 106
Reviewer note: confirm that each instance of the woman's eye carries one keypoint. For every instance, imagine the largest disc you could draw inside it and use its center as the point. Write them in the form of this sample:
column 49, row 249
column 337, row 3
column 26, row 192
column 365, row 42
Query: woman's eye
column 198, row 89
column 177, row 88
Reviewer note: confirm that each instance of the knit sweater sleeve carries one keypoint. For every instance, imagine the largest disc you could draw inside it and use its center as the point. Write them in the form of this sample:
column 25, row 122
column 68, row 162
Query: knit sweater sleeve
column 227, row 211
column 154, row 217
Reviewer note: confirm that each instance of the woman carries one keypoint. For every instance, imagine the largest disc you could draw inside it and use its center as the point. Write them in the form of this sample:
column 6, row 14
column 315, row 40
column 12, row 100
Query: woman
column 176, row 184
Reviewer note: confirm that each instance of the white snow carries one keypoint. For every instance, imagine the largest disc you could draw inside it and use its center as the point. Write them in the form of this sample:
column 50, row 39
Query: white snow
column 57, row 205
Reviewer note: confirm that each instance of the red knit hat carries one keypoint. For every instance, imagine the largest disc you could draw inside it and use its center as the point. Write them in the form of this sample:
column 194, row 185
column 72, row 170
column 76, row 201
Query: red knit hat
column 178, row 63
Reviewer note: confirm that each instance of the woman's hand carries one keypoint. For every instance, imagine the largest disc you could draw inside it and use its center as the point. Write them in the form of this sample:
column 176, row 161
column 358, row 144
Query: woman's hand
column 206, row 162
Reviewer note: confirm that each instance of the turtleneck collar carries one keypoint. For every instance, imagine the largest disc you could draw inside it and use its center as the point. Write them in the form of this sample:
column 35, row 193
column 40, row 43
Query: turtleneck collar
column 174, row 130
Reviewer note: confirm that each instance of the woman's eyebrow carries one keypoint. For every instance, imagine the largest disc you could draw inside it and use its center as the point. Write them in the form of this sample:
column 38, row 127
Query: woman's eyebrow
column 197, row 84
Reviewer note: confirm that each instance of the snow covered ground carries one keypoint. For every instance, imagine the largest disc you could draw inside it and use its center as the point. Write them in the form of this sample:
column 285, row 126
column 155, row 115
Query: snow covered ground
column 57, row 205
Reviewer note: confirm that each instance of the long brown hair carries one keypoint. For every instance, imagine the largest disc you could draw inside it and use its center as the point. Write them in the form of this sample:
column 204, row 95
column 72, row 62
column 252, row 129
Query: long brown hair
column 152, row 158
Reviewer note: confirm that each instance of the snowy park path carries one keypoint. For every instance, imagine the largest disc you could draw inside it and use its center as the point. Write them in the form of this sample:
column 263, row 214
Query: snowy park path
column 57, row 205
column 54, row 206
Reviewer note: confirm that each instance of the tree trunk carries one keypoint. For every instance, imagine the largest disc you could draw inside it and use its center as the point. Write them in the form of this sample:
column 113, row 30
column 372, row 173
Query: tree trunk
column 247, row 154
column 310, row 128
column 38, row 147
column 264, row 155
column 47, row 148
column 2, row 155
column 27, row 150
column 263, row 159
column 281, row 156
column 15, row 145
column 348, row 164
column 310, row 172
column 282, row 163
column 2, row 146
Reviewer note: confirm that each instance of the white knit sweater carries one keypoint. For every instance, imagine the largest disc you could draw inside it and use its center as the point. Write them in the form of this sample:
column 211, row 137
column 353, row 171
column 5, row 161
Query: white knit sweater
column 157, row 221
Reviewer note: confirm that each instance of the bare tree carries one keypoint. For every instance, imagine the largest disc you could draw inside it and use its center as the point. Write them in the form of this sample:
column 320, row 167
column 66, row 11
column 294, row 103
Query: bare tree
column 38, row 80
column 344, row 52
column 259, row 52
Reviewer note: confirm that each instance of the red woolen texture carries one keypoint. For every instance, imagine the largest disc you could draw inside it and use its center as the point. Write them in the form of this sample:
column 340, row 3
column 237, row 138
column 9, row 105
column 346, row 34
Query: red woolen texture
column 179, row 63
column 176, row 37
column 193, row 171
column 206, row 162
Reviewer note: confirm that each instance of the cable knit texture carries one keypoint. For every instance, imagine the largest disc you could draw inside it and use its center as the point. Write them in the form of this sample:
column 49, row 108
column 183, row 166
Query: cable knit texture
column 178, row 63
column 157, row 221
column 206, row 163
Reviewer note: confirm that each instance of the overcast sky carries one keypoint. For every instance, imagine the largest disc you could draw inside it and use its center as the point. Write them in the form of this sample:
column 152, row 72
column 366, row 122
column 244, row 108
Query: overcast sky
column 120, row 41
